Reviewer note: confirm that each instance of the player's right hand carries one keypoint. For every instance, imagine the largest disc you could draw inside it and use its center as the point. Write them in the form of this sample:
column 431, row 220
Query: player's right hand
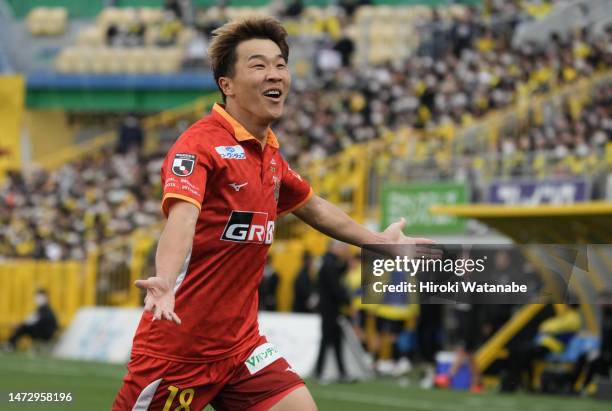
column 159, row 299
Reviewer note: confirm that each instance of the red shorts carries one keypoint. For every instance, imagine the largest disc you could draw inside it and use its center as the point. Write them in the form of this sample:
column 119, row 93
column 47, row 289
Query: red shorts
column 251, row 382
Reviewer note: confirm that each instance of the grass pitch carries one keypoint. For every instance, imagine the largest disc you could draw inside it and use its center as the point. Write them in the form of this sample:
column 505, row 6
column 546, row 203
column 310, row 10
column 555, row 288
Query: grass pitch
column 94, row 385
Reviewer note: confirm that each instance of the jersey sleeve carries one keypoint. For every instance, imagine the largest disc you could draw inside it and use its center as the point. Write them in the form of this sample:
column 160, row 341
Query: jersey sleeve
column 184, row 174
column 294, row 191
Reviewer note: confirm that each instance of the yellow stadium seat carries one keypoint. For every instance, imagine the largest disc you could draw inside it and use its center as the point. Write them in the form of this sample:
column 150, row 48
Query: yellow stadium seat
column 117, row 57
column 36, row 21
column 313, row 12
column 92, row 36
column 151, row 35
column 109, row 15
column 364, row 13
column 150, row 15
column 170, row 60
column 385, row 12
column 102, row 60
column 65, row 61
column 457, row 10
column 149, row 60
column 136, row 60
column 236, row 13
column 83, row 57
column 127, row 15
column 185, row 36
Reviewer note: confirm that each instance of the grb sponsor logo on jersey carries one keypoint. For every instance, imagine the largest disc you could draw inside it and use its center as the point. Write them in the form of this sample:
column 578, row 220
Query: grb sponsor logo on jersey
column 249, row 227
column 231, row 152
column 263, row 356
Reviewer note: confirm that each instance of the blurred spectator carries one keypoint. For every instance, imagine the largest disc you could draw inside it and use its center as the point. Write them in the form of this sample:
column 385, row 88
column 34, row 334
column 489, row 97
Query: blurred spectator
column 332, row 296
column 327, row 58
column 39, row 326
column 169, row 29
column 346, row 47
column 360, row 313
column 135, row 33
column 113, row 35
column 468, row 339
column 396, row 320
column 174, row 7
column 304, row 298
column 196, row 54
column 554, row 334
column 496, row 315
column 350, row 6
column 600, row 362
column 429, row 340
column 268, row 287
column 293, row 9
column 131, row 135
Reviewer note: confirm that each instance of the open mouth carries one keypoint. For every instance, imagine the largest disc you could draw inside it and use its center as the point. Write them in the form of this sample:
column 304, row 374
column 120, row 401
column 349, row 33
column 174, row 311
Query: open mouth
column 273, row 94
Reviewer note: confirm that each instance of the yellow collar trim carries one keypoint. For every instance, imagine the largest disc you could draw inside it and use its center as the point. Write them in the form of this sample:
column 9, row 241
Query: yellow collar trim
column 241, row 133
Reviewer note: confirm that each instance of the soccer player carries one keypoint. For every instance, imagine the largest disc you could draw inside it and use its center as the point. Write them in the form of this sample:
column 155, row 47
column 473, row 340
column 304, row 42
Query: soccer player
column 224, row 184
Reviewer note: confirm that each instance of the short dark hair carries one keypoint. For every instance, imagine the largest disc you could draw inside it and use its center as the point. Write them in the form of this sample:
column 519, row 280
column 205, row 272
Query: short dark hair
column 222, row 50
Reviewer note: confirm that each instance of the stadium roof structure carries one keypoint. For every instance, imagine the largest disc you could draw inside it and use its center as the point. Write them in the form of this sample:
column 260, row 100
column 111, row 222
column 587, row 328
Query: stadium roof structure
column 582, row 223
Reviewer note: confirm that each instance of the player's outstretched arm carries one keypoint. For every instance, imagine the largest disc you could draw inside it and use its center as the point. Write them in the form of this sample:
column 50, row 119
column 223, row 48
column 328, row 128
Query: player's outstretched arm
column 174, row 246
column 332, row 221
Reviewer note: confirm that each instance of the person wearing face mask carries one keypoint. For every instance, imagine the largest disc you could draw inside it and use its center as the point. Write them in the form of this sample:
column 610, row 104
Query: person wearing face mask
column 40, row 325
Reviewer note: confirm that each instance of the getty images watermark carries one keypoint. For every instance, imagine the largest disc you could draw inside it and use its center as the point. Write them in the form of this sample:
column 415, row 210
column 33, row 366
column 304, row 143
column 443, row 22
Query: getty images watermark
column 483, row 274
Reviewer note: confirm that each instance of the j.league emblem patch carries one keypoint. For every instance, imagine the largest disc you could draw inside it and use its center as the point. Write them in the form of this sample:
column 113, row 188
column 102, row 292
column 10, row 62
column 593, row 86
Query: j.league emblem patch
column 183, row 164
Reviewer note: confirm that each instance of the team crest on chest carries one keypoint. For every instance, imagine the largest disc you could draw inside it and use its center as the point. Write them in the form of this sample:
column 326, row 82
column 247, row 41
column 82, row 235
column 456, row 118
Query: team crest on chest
column 183, row 164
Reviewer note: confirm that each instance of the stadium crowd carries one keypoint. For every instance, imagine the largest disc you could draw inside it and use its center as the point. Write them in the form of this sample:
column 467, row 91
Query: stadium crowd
column 348, row 104
column 59, row 215
column 464, row 71
column 567, row 136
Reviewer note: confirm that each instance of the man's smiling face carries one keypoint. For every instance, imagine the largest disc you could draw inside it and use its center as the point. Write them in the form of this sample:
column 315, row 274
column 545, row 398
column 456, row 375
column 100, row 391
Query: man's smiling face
column 261, row 80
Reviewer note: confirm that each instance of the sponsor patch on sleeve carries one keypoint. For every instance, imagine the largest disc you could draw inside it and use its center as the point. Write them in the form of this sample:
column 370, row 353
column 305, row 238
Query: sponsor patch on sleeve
column 261, row 357
column 183, row 164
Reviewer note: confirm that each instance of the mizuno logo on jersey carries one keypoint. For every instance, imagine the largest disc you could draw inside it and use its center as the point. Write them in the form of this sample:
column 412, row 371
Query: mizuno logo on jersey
column 231, row 152
column 237, row 186
column 183, row 164
column 249, row 227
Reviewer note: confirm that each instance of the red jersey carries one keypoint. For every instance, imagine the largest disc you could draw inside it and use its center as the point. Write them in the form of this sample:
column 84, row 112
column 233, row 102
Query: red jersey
column 240, row 188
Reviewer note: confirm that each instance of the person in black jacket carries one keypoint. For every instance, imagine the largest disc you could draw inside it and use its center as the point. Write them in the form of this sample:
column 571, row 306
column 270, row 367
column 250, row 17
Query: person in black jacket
column 303, row 287
column 332, row 295
column 600, row 362
column 268, row 287
column 41, row 325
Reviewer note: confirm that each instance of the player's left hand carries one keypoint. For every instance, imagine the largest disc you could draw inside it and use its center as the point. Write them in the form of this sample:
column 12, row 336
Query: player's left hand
column 159, row 298
column 394, row 234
